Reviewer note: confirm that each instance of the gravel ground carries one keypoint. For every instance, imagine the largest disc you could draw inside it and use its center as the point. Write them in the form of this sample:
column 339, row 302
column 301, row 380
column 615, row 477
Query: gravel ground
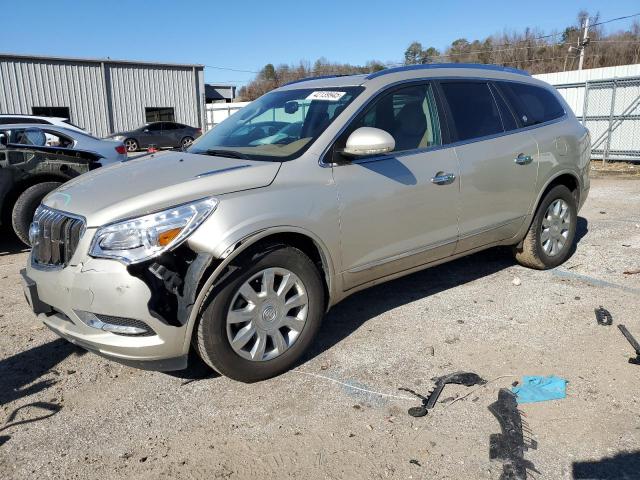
column 67, row 414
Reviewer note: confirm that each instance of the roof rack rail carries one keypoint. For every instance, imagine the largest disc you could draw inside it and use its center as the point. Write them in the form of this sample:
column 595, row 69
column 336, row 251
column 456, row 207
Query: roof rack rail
column 430, row 66
column 319, row 77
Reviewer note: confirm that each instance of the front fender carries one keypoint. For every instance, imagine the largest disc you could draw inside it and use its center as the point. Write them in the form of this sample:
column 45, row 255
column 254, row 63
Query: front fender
column 236, row 248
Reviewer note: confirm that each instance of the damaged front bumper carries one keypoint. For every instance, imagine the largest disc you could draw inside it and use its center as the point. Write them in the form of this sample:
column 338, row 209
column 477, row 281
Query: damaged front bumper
column 98, row 305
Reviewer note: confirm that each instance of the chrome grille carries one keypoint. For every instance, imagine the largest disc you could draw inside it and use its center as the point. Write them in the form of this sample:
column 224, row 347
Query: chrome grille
column 54, row 237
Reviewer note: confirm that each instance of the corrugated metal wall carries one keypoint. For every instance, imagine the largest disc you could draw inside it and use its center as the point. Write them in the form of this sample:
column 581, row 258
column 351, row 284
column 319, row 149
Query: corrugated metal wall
column 31, row 83
column 103, row 97
column 134, row 88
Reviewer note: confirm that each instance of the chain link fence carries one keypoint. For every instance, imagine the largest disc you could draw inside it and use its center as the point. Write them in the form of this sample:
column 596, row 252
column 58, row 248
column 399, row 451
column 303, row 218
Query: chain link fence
column 610, row 109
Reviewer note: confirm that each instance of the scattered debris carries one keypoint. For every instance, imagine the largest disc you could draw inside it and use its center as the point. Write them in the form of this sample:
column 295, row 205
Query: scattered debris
column 634, row 343
column 413, row 461
column 509, row 446
column 467, row 379
column 631, row 272
column 603, row 316
column 431, row 350
column 602, row 212
column 517, row 282
column 536, row 388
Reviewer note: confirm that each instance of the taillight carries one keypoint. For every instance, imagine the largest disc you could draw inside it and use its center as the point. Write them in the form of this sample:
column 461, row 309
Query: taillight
column 198, row 130
column 121, row 149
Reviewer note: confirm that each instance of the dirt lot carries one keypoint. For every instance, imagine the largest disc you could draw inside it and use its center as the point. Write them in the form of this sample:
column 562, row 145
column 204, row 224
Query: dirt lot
column 66, row 414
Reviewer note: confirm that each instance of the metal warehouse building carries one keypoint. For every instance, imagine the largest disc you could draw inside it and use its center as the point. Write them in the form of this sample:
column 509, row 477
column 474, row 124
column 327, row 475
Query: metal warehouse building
column 102, row 95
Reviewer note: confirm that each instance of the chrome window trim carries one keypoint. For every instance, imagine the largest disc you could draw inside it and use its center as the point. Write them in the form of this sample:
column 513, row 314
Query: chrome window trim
column 403, row 153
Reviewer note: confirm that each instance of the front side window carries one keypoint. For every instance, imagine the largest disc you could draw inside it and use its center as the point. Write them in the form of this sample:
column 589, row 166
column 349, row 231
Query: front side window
column 533, row 105
column 473, row 109
column 278, row 126
column 409, row 114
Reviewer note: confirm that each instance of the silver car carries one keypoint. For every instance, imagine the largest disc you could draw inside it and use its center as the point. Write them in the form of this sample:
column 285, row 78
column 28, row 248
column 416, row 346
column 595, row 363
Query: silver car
column 236, row 248
column 39, row 135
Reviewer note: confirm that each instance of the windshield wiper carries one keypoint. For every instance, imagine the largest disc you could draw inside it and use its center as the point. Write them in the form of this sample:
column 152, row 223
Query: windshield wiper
column 225, row 153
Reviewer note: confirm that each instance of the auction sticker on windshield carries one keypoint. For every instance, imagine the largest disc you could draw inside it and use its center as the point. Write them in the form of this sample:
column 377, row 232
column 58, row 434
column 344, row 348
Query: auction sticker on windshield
column 326, row 95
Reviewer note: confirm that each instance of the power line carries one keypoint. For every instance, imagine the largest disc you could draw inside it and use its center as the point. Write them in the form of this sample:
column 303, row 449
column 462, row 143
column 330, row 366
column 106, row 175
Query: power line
column 230, row 69
column 616, row 19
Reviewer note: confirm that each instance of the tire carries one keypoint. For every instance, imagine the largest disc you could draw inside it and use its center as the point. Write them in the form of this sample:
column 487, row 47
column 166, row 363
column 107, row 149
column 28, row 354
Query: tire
column 534, row 251
column 186, row 141
column 212, row 336
column 131, row 144
column 25, row 208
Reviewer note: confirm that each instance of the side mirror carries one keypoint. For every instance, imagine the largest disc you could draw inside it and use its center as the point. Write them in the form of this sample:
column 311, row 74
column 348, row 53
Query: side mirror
column 368, row 141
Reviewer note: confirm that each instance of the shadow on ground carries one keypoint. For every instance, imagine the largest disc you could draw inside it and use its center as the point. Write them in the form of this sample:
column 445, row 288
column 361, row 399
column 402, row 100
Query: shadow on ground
column 20, row 371
column 349, row 315
column 624, row 465
column 9, row 244
column 21, row 375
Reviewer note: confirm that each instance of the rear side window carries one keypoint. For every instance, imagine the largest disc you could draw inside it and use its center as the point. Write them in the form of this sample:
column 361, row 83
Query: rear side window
column 473, row 108
column 533, row 105
column 508, row 120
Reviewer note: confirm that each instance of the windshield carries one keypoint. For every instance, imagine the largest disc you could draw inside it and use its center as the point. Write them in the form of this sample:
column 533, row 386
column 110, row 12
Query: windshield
column 278, row 126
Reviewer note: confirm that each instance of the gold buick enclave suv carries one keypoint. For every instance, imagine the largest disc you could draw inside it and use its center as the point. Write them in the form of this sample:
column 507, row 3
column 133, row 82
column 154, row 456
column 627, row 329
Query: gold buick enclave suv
column 238, row 245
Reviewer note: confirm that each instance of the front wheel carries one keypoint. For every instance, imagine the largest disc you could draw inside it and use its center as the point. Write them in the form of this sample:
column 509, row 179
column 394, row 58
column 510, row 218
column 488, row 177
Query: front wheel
column 25, row 208
column 549, row 241
column 260, row 320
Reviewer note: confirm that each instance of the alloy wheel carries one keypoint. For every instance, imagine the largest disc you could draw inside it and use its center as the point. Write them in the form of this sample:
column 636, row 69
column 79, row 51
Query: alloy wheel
column 131, row 145
column 555, row 227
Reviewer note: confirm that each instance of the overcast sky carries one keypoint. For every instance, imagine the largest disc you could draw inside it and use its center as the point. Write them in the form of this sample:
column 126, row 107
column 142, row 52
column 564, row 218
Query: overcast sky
column 246, row 35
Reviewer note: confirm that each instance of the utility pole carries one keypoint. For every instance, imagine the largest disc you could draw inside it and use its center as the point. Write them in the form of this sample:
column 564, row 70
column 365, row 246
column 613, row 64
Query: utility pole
column 584, row 42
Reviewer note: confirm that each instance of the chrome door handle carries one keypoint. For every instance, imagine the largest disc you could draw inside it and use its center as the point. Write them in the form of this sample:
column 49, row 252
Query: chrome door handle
column 523, row 159
column 442, row 178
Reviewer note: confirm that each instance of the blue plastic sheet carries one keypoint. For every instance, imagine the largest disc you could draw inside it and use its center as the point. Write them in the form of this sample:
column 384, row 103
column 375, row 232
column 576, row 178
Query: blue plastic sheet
column 535, row 388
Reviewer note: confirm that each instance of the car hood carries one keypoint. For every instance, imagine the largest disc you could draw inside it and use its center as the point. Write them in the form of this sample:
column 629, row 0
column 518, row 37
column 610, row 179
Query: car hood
column 156, row 182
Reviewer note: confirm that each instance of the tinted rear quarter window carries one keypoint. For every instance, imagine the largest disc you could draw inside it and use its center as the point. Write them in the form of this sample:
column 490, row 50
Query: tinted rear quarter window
column 473, row 109
column 532, row 104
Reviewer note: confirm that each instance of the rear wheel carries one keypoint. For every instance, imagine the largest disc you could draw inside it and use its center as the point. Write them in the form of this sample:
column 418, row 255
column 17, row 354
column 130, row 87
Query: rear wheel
column 131, row 144
column 186, row 141
column 25, row 208
column 263, row 317
column 550, row 237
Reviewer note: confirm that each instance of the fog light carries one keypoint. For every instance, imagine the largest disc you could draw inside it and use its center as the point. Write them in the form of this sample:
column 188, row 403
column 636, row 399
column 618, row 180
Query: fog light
column 93, row 321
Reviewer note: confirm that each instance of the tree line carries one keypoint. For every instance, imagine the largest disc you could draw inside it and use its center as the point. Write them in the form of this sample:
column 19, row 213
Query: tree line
column 530, row 50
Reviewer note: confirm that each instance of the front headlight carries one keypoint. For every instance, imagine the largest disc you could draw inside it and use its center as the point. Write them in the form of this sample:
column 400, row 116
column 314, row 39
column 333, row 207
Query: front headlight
column 139, row 239
column 117, row 137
